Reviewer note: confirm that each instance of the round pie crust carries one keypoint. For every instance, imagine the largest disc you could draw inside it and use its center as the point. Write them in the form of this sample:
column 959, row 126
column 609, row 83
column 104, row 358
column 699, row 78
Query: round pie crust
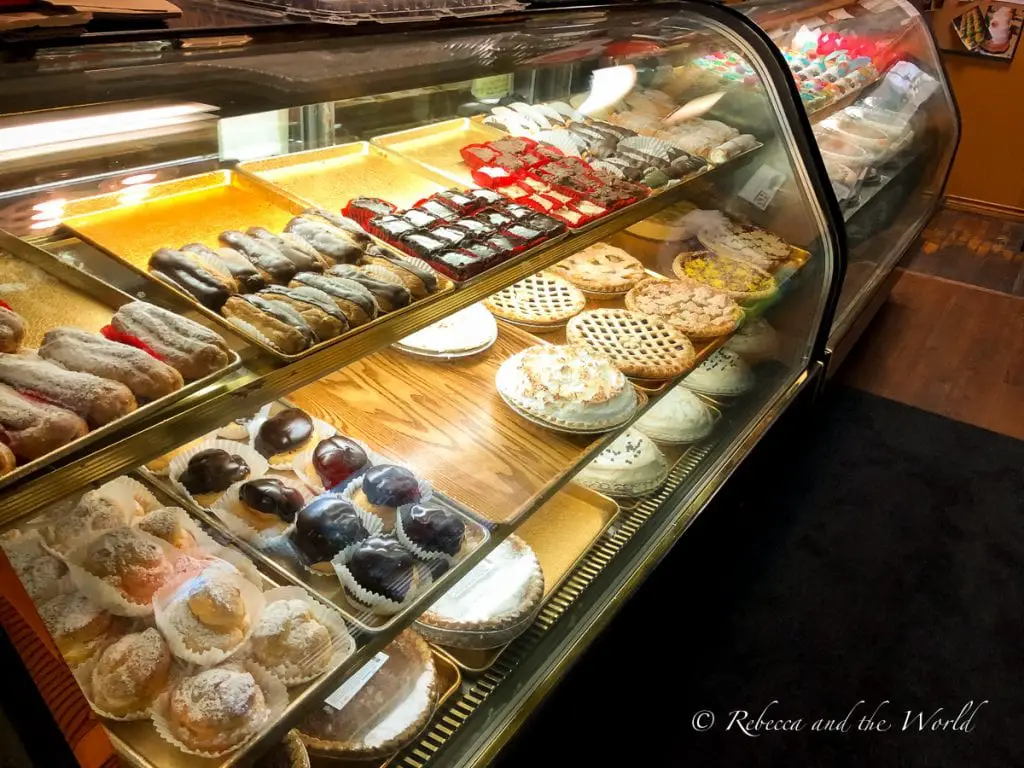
column 601, row 269
column 687, row 306
column 735, row 278
column 542, row 299
column 639, row 345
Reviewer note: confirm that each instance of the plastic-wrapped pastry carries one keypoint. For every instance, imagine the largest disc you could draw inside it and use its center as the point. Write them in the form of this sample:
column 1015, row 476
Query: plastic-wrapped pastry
column 354, row 300
column 229, row 260
column 125, row 559
column 206, row 285
column 194, row 350
column 337, row 245
column 297, row 251
column 85, row 352
column 78, row 626
column 12, row 328
column 30, row 429
column 389, row 295
column 217, row 709
column 285, row 328
column 130, row 673
column 262, row 255
column 288, row 637
column 98, row 401
column 316, row 307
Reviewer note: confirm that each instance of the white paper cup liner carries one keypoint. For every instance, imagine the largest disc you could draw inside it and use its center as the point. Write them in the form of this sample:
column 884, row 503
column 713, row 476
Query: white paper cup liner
column 107, row 595
column 349, row 495
column 373, row 602
column 374, row 527
column 257, row 464
column 246, row 567
column 228, row 510
column 132, row 491
column 203, row 541
column 83, row 675
column 274, row 694
column 342, row 643
column 170, row 600
column 302, row 465
column 321, row 431
column 416, row 549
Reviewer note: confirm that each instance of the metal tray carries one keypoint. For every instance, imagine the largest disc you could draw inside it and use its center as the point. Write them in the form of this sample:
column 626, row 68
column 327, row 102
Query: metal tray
column 62, row 295
column 129, row 226
column 561, row 534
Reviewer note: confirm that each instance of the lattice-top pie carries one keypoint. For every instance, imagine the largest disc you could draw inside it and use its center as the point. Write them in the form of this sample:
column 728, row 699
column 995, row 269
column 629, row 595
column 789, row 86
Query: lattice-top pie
column 540, row 299
column 601, row 268
column 735, row 278
column 639, row 345
column 696, row 309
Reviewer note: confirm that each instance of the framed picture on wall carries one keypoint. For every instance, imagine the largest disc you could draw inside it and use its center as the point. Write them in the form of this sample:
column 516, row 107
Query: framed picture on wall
column 1003, row 24
column 971, row 29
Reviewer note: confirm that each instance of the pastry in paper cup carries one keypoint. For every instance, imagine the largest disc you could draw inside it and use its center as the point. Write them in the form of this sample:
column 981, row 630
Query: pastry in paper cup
column 210, row 467
column 298, row 638
column 430, row 532
column 210, row 616
column 121, row 569
column 336, row 460
column 133, row 493
column 217, row 710
column 382, row 488
column 80, row 627
column 112, row 505
column 381, row 575
column 260, row 510
column 43, row 574
column 327, row 527
column 281, row 438
column 123, row 680
column 246, row 567
column 173, row 525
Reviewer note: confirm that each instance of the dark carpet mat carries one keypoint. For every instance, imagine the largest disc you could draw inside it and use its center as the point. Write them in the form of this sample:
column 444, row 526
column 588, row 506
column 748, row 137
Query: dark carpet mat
column 876, row 555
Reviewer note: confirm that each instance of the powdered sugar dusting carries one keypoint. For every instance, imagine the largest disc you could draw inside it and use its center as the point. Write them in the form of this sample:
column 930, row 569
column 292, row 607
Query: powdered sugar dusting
column 68, row 613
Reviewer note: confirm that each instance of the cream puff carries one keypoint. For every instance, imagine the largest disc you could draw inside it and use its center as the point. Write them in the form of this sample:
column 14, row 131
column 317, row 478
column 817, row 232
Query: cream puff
column 130, row 673
column 130, row 561
column 169, row 524
column 78, row 626
column 217, row 709
column 210, row 613
column 290, row 642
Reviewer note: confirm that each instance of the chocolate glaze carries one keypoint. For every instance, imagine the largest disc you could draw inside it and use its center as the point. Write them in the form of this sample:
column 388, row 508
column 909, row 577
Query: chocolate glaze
column 426, row 275
column 249, row 278
column 272, row 497
column 346, row 290
column 383, row 566
column 390, row 486
column 393, row 294
column 213, row 470
column 337, row 458
column 284, row 431
column 282, row 312
column 332, row 242
column 262, row 255
column 350, row 226
column 178, row 269
column 433, row 529
column 303, row 260
column 326, row 526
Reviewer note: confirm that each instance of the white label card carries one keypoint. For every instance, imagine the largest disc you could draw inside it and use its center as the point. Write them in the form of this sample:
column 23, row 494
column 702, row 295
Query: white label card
column 763, row 185
column 345, row 693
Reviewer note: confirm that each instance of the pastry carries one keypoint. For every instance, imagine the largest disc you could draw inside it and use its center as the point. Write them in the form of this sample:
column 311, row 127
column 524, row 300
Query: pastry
column 212, row 471
column 96, row 511
column 353, row 299
column 209, row 613
column 350, row 226
column 12, row 328
column 492, row 603
column 418, row 278
column 336, row 459
column 695, row 309
column 755, row 341
column 283, row 327
column 130, row 673
column 271, row 262
column 7, row 460
column 631, row 466
column 128, row 561
column 430, row 531
column 469, row 330
column 380, row 573
column 143, row 374
column 195, row 351
column 639, row 345
column 388, row 295
column 567, row 387
column 236, row 430
column 601, row 269
column 362, row 209
column 296, row 250
column 268, row 503
column 30, row 429
column 539, row 300
column 98, row 401
column 287, row 753
column 383, row 488
column 336, row 245
column 316, row 307
column 230, row 261
column 324, row 528
column 161, row 464
column 723, row 373
column 385, row 714
column 290, row 642
column 206, row 285
column 169, row 524
column 41, row 574
column 217, row 709
column 284, row 434
column 738, row 279
column 749, row 244
column 679, row 416
column 79, row 627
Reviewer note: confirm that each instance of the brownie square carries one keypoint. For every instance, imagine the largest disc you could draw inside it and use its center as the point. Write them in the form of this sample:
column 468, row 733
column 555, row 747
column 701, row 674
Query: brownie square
column 458, row 265
column 419, row 218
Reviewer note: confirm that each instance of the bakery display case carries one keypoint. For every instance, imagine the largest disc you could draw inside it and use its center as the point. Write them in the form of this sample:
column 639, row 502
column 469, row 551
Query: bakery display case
column 886, row 124
column 350, row 381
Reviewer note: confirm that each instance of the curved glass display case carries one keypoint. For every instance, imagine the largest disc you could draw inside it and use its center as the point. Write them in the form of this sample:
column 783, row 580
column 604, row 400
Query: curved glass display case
column 349, row 383
column 887, row 126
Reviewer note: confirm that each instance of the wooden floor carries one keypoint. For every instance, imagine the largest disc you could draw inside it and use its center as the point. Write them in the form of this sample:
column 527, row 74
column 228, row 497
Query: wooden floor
column 950, row 340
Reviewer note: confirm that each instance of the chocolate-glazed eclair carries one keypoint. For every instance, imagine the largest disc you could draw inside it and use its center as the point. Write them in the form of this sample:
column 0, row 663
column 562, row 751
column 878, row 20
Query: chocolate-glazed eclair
column 336, row 244
column 353, row 299
column 265, row 257
column 389, row 296
column 350, row 226
column 248, row 277
column 419, row 279
column 208, row 286
column 304, row 259
column 283, row 326
column 316, row 307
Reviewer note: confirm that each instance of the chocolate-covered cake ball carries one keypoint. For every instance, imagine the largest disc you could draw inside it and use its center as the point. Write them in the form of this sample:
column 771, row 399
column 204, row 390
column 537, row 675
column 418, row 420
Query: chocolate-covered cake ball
column 336, row 459
column 383, row 566
column 285, row 431
column 432, row 529
column 213, row 470
column 270, row 496
column 325, row 526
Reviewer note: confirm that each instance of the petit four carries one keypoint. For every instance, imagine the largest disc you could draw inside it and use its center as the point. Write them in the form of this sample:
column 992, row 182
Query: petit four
column 723, row 373
column 679, row 416
column 631, row 466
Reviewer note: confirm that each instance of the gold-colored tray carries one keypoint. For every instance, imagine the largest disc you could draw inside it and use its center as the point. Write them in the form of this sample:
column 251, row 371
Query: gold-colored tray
column 560, row 533
column 436, row 147
column 56, row 295
column 131, row 225
column 449, row 681
column 329, row 178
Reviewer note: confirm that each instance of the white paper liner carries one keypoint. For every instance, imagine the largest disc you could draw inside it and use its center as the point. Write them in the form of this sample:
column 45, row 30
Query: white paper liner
column 106, row 595
column 246, row 567
column 425, row 493
column 203, row 541
column 83, row 676
column 132, row 490
column 257, row 464
column 371, row 601
column 274, row 694
column 342, row 643
column 302, row 465
column 166, row 599
column 419, row 551
column 374, row 526
column 228, row 511
column 321, row 431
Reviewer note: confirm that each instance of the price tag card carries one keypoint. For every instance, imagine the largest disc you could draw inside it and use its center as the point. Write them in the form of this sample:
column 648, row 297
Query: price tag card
column 347, row 690
column 762, row 186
